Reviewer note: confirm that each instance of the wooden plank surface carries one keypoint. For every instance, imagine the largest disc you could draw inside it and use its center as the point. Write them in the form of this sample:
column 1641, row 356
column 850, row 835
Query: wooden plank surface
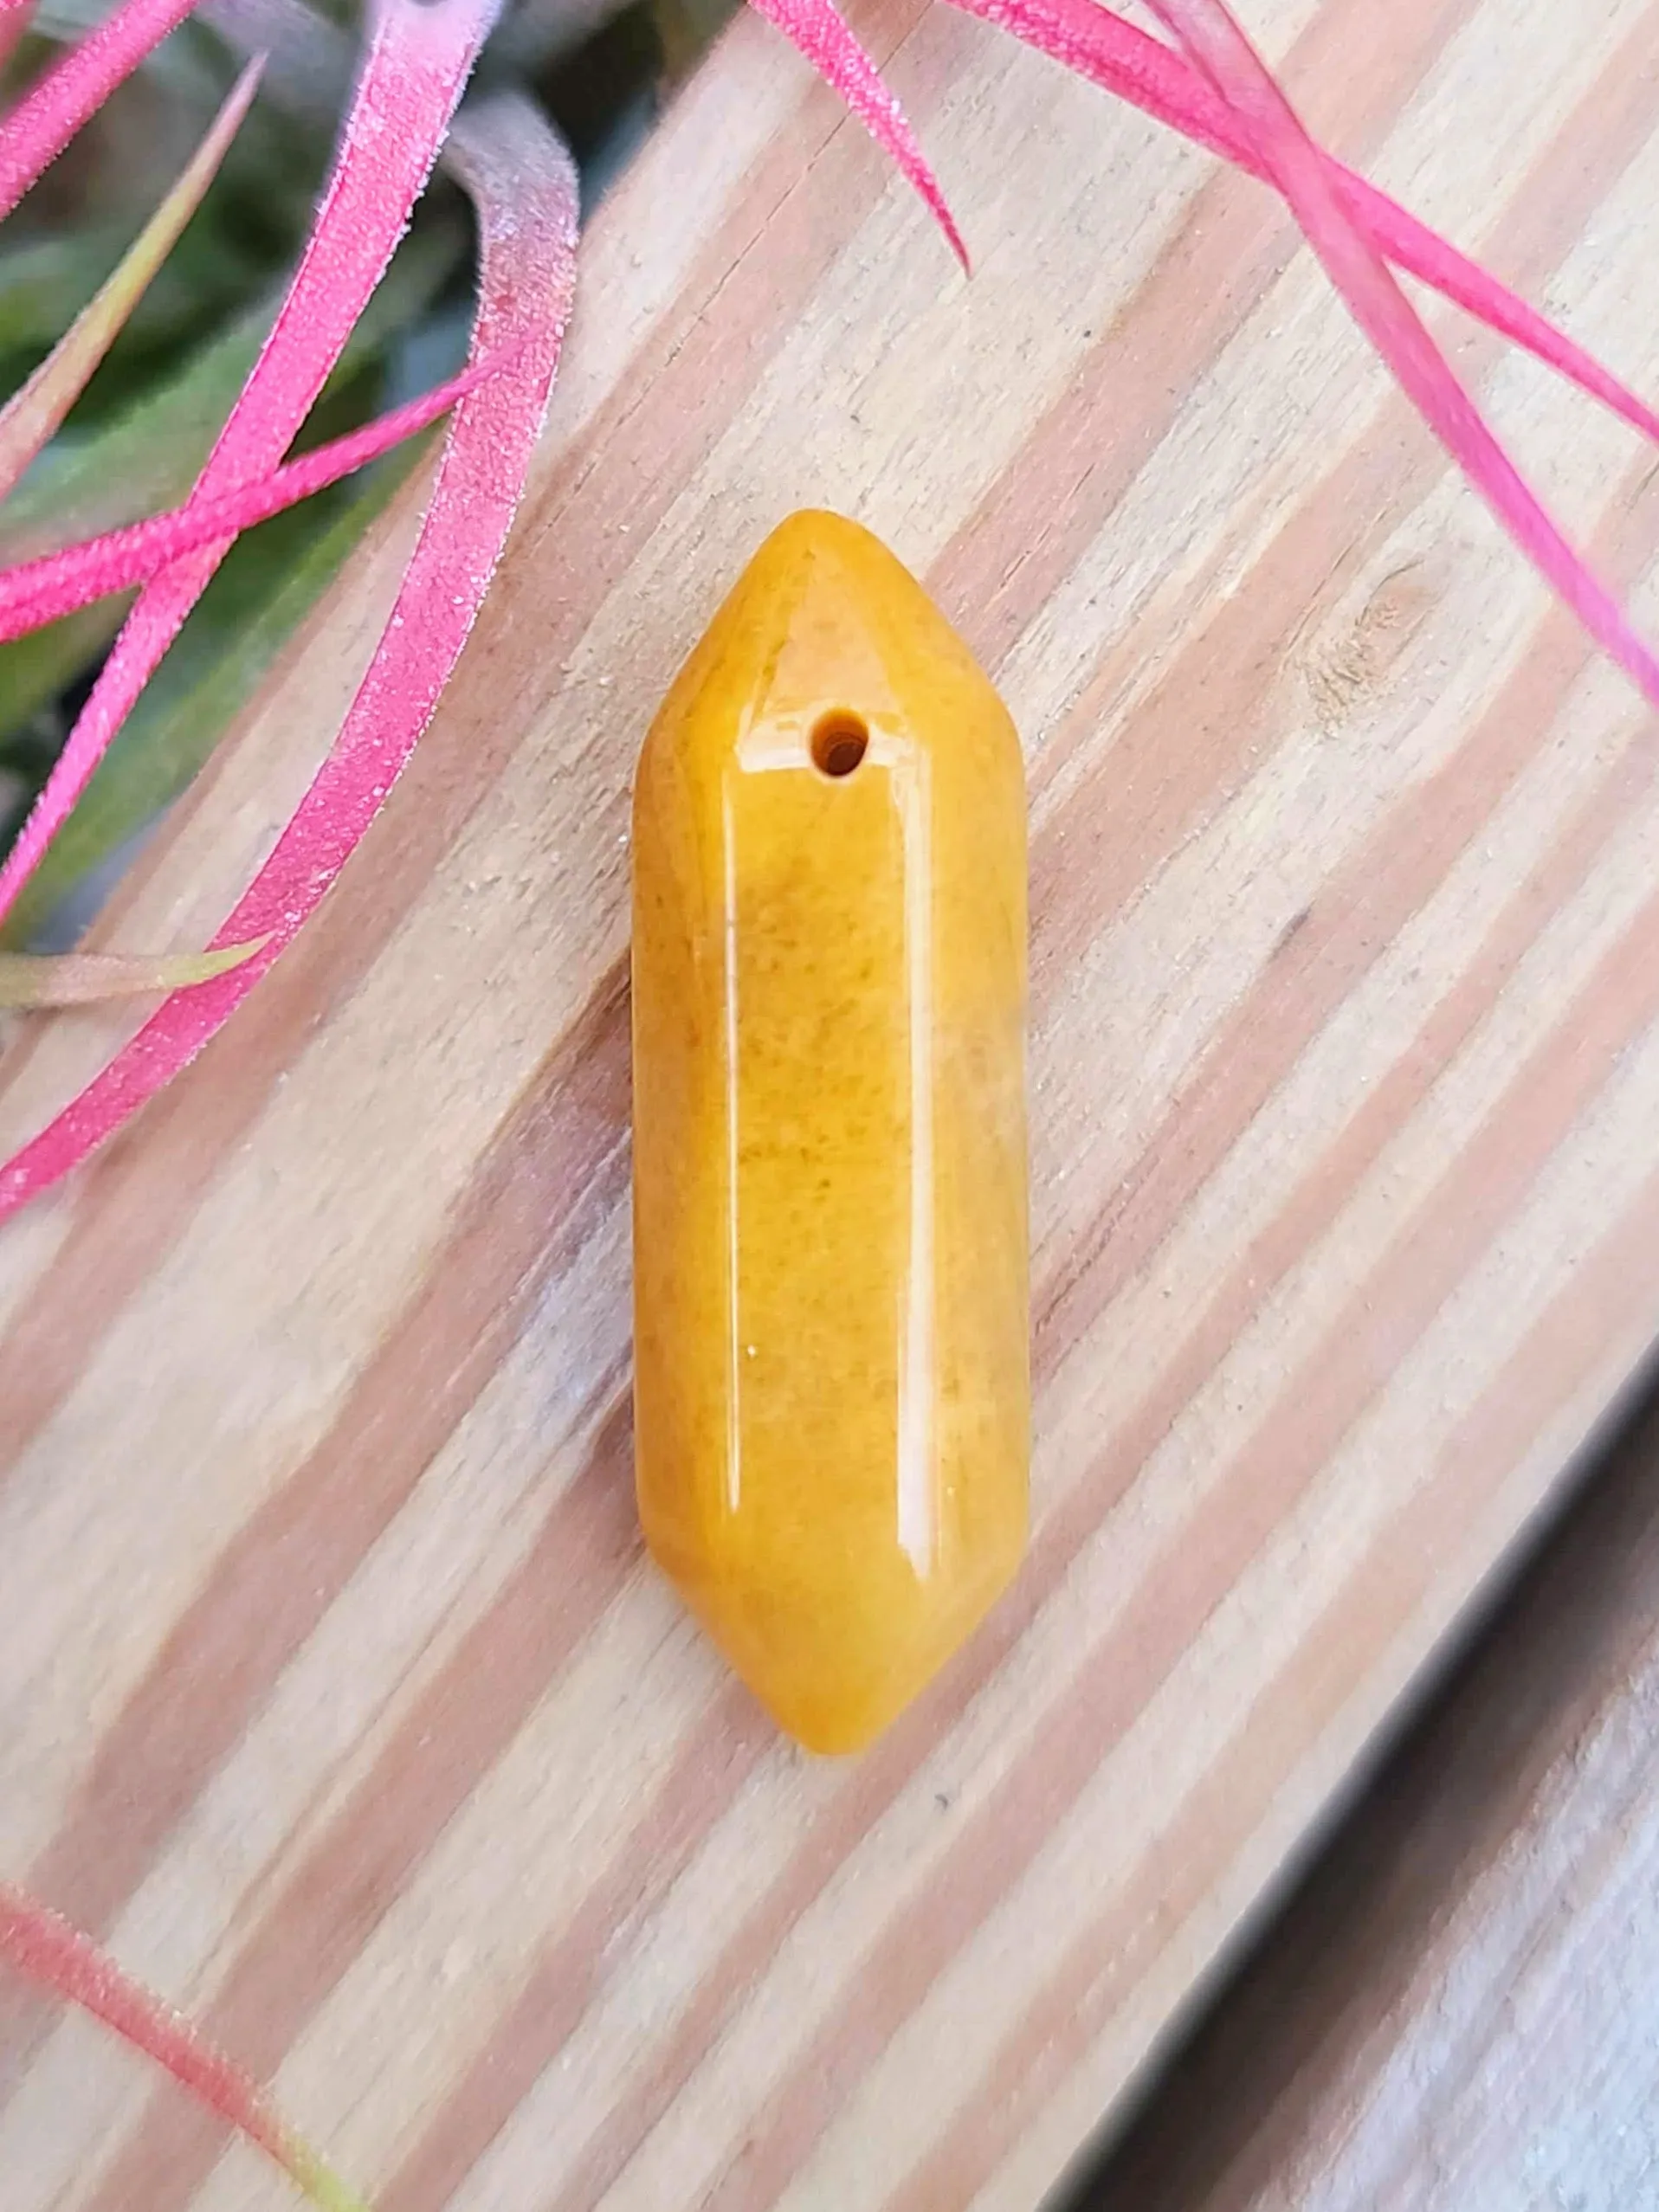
column 336, row 1692
column 1455, row 2009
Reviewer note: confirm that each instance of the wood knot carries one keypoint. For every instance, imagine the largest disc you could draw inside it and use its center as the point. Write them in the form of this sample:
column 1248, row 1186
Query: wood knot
column 1345, row 672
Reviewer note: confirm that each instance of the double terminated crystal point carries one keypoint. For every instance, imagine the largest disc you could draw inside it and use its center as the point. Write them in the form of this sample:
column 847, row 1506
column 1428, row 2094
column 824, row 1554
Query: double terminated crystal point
column 832, row 1393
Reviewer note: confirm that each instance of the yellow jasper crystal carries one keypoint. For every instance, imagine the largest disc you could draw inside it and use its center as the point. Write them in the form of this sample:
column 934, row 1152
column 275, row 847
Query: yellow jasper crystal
column 832, row 1392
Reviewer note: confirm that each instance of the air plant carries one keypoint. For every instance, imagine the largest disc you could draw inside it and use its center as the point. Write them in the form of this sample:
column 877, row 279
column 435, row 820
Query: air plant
column 37, row 1945
column 1201, row 78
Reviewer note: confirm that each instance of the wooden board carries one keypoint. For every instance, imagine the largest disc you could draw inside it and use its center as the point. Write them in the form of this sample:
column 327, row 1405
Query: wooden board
column 335, row 1690
column 1453, row 2009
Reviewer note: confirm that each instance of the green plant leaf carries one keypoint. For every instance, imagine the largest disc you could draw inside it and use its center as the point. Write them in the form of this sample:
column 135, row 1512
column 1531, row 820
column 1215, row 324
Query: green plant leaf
column 45, row 283
column 32, row 414
column 35, row 669
column 29, row 979
column 268, row 583
column 145, row 458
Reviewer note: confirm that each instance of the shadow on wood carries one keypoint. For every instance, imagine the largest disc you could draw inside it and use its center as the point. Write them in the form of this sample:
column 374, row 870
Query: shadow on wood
column 1454, row 2013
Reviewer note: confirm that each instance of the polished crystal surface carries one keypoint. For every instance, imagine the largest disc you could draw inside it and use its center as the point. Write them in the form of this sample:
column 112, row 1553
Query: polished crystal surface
column 832, row 1390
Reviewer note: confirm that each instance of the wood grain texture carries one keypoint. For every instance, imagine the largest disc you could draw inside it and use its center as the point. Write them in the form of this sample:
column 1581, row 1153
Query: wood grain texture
column 337, row 1694
column 1454, row 2009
